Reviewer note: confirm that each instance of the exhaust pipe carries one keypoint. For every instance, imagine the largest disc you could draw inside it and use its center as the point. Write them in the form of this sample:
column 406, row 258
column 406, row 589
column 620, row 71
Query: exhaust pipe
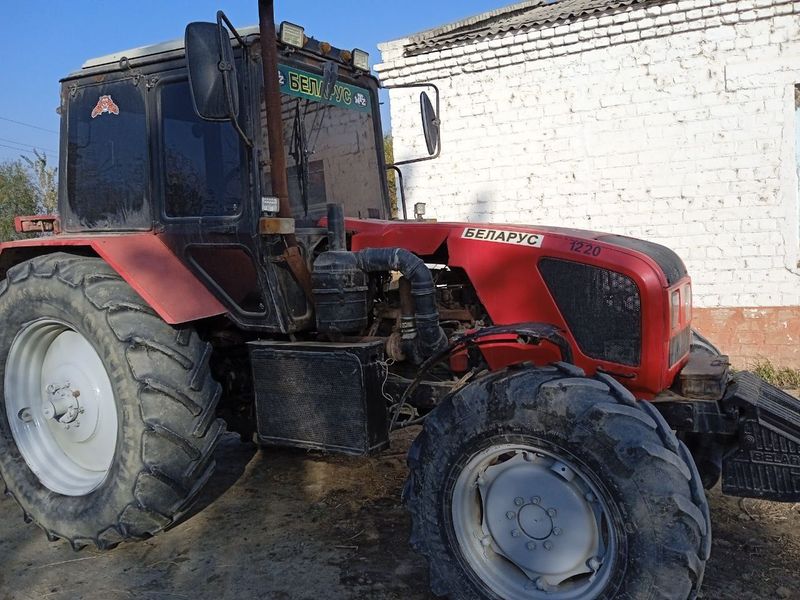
column 277, row 152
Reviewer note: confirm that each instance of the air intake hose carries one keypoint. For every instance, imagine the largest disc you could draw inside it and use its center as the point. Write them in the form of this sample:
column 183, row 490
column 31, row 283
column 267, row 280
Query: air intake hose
column 430, row 337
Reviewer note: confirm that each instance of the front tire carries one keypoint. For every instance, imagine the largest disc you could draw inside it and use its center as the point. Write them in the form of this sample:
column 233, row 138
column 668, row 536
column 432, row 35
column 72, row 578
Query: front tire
column 541, row 484
column 108, row 414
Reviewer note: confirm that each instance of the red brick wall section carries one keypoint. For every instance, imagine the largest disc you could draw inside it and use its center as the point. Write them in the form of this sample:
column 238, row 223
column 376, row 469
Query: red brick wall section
column 748, row 335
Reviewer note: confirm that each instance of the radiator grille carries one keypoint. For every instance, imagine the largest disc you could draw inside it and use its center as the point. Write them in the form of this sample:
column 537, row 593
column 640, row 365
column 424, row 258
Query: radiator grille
column 602, row 309
column 320, row 396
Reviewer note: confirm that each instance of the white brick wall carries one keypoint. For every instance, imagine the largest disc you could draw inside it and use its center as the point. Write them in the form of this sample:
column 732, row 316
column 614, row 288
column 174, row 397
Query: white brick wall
column 673, row 122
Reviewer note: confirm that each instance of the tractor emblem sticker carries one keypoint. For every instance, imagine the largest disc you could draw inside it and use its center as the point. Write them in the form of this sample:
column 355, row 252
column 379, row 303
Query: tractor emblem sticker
column 534, row 240
column 105, row 105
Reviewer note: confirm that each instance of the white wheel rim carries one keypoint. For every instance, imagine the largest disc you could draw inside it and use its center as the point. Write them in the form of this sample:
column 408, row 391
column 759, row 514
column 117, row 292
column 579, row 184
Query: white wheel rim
column 60, row 406
column 564, row 553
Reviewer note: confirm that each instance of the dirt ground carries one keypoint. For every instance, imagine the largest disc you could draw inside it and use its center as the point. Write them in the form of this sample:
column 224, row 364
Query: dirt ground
column 286, row 525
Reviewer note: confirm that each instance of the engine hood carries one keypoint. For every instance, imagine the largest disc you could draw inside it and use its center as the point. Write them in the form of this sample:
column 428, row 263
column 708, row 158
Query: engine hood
column 428, row 238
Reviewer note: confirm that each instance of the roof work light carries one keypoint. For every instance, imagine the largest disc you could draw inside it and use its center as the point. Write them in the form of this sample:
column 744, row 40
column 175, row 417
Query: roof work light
column 292, row 35
column 361, row 59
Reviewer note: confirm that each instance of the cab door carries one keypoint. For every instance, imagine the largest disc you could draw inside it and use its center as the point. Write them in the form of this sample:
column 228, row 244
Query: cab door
column 207, row 216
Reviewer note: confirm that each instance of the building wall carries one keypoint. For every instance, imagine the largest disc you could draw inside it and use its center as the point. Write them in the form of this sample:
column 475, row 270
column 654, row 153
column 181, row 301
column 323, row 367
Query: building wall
column 673, row 122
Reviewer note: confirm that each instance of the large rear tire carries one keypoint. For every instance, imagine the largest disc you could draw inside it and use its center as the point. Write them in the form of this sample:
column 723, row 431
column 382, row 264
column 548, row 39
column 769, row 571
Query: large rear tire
column 107, row 414
column 543, row 484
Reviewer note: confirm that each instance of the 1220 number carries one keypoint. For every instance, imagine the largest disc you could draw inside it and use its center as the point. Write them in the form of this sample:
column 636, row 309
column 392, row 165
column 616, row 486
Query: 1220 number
column 585, row 248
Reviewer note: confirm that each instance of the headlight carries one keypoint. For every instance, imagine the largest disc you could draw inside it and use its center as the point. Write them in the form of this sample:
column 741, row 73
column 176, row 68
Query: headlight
column 675, row 310
column 687, row 303
column 292, row 35
column 360, row 60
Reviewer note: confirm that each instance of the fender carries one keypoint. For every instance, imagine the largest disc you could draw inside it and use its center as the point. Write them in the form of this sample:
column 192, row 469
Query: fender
column 143, row 261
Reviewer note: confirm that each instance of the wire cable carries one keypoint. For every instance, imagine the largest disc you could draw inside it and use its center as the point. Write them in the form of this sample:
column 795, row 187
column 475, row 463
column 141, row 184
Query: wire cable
column 34, row 146
column 28, row 125
column 23, row 150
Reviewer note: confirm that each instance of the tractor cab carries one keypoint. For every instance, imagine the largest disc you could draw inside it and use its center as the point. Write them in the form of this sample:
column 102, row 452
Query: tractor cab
column 155, row 139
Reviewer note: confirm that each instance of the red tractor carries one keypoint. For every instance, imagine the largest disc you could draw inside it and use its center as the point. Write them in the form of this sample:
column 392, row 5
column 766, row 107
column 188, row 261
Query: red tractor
column 225, row 253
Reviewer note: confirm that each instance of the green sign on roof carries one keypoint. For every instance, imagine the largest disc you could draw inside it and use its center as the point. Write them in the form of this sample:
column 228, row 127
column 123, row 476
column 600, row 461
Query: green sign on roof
column 302, row 84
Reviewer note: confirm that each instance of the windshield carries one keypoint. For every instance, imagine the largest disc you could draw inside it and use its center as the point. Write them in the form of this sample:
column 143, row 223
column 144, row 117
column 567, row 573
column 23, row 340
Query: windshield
column 331, row 148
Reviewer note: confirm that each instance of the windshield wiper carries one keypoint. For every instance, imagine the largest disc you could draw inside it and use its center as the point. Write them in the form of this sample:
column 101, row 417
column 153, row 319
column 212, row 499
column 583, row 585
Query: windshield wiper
column 299, row 152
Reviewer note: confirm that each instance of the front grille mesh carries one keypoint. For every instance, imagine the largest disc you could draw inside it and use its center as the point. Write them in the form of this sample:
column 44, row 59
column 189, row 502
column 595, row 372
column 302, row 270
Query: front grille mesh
column 602, row 308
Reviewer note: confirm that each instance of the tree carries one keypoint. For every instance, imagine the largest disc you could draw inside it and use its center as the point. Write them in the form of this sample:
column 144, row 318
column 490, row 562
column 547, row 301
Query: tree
column 28, row 186
column 45, row 183
column 391, row 176
column 18, row 196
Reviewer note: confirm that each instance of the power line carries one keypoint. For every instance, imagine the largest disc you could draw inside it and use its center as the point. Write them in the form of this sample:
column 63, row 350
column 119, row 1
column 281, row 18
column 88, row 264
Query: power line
column 35, row 147
column 17, row 149
column 28, row 125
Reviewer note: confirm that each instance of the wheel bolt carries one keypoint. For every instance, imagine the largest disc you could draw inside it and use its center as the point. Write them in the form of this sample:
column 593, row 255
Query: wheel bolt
column 519, row 501
column 548, row 545
column 541, row 584
column 515, row 533
column 552, row 512
column 531, row 545
column 486, row 541
column 594, row 563
column 510, row 515
column 556, row 531
column 590, row 497
column 536, row 500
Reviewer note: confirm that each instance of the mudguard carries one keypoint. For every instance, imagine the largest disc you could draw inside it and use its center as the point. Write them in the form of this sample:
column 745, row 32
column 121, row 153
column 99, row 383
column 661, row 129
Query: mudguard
column 143, row 261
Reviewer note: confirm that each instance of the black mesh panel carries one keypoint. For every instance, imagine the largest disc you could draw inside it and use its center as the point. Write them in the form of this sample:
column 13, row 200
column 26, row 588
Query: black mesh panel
column 602, row 309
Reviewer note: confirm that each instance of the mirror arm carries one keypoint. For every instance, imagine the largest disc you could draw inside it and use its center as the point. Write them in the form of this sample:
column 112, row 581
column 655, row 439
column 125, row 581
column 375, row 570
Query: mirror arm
column 247, row 141
column 400, row 186
column 221, row 17
column 438, row 120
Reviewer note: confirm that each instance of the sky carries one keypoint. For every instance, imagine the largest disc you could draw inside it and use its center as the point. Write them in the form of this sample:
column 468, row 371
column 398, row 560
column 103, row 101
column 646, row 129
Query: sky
column 45, row 40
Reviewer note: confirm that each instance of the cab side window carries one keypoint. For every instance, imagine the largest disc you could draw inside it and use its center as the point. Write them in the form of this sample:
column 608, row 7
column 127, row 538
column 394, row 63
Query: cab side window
column 201, row 159
column 107, row 169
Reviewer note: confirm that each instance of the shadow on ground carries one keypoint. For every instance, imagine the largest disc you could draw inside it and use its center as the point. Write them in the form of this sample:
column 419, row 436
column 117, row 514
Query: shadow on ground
column 285, row 525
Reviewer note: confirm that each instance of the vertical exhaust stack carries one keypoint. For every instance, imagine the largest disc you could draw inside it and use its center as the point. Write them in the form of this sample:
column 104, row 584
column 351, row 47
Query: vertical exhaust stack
column 337, row 239
column 275, row 142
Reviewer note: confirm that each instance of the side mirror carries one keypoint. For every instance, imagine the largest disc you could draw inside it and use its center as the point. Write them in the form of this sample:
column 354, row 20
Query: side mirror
column 430, row 123
column 212, row 71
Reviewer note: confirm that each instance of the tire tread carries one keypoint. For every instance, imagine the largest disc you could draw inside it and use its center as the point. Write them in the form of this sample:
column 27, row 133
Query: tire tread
column 194, row 428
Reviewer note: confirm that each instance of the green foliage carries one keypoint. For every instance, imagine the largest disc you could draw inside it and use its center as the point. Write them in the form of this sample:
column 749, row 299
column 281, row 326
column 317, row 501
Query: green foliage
column 17, row 197
column 27, row 187
column 45, row 182
column 391, row 176
column 788, row 379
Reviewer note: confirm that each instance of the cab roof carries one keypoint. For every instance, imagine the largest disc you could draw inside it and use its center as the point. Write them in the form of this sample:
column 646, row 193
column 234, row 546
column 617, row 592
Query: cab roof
column 110, row 61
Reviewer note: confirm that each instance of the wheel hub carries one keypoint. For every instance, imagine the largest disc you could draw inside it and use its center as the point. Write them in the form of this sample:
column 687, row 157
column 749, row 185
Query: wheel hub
column 62, row 404
column 537, row 519
column 535, row 522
